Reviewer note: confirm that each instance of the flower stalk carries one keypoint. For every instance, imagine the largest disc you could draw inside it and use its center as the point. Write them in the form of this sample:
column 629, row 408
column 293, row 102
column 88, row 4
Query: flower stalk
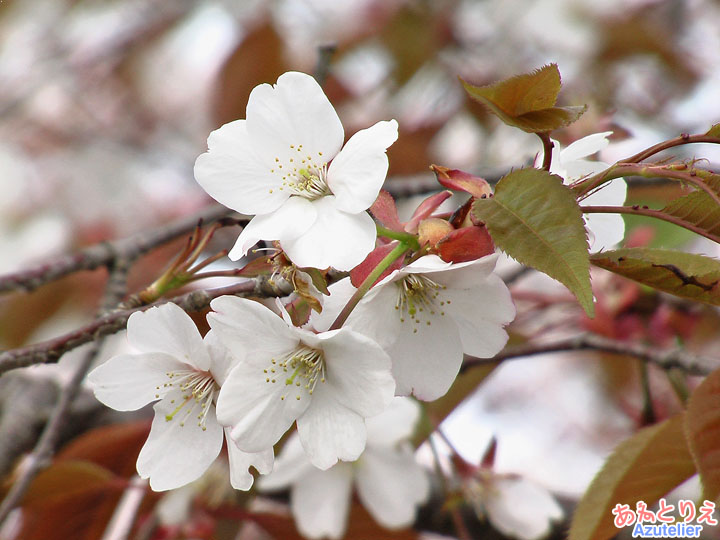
column 366, row 285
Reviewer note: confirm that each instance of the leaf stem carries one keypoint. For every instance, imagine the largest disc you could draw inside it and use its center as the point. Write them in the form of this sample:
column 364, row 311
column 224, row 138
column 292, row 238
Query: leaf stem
column 406, row 238
column 365, row 286
column 547, row 149
column 649, row 212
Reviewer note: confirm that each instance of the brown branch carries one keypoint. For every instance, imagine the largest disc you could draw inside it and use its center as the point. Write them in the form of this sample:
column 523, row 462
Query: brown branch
column 643, row 211
column 677, row 141
column 92, row 257
column 664, row 358
column 50, row 351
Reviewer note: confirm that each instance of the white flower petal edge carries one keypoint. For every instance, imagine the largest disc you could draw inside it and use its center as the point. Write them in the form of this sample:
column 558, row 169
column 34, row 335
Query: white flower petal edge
column 328, row 382
column 182, row 372
column 362, row 157
column 287, row 149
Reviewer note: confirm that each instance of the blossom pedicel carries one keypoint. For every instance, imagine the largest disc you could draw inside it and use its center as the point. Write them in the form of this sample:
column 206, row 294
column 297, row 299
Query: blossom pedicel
column 284, row 164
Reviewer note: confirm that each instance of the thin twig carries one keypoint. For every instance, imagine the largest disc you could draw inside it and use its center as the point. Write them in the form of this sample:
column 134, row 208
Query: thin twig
column 50, row 351
column 103, row 254
column 677, row 141
column 689, row 363
column 649, row 212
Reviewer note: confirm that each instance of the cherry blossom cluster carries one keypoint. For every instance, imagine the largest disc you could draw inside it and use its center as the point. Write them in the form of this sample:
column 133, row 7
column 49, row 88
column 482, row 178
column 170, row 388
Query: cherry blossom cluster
column 417, row 297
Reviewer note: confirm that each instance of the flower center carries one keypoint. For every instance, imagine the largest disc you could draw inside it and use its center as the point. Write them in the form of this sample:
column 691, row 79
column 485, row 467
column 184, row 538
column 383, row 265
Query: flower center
column 419, row 299
column 303, row 369
column 197, row 389
column 302, row 174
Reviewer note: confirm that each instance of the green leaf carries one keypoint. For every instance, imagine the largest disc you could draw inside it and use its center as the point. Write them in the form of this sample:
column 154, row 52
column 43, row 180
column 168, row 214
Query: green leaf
column 702, row 425
column 686, row 275
column 714, row 131
column 527, row 101
column 698, row 208
column 536, row 220
column 644, row 467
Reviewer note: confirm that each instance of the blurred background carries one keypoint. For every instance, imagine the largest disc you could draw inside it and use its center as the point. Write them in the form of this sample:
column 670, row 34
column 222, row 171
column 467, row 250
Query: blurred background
column 105, row 105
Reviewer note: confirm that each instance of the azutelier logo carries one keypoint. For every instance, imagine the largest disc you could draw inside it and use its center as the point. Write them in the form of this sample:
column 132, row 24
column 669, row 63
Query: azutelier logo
column 688, row 522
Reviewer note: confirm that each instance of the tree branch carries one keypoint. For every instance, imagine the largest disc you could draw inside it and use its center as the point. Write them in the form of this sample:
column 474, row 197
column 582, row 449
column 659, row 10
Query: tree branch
column 105, row 253
column 677, row 141
column 643, row 211
column 664, row 358
column 50, row 351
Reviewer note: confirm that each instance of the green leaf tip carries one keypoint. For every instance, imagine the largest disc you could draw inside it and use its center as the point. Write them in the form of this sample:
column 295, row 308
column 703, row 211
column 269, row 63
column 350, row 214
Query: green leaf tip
column 527, row 101
column 536, row 220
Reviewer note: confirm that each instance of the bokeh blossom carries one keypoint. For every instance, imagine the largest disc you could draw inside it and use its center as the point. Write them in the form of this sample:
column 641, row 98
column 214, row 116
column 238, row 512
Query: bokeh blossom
column 389, row 482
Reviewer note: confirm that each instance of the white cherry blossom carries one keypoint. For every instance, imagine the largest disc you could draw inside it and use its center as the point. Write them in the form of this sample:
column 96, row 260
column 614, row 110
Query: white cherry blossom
column 426, row 315
column 284, row 164
column 329, row 382
column 606, row 230
column 514, row 505
column 182, row 372
column 389, row 483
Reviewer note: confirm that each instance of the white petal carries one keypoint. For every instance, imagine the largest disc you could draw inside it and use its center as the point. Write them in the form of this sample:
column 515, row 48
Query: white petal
column 521, row 509
column 178, row 451
column 607, row 230
column 394, row 424
column 357, row 371
column 587, row 146
column 130, row 381
column 336, row 239
column 168, row 329
column 290, row 466
column 236, row 174
column 426, row 362
column 480, row 314
column 295, row 111
column 581, row 168
column 330, row 431
column 357, row 173
column 391, row 485
column 286, row 224
column 258, row 410
column 250, row 330
column 375, row 315
column 320, row 502
column 240, row 462
column 221, row 359
column 464, row 275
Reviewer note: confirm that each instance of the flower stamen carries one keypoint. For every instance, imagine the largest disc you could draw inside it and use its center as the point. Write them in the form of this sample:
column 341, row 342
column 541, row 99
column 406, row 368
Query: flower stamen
column 307, row 368
column 418, row 295
column 198, row 388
